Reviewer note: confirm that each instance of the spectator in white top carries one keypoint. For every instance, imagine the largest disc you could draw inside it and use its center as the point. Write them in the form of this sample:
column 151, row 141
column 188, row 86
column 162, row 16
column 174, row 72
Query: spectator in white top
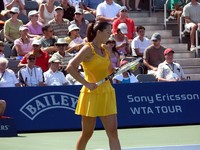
column 140, row 43
column 191, row 12
column 30, row 74
column 107, row 11
column 169, row 70
column 7, row 76
column 54, row 77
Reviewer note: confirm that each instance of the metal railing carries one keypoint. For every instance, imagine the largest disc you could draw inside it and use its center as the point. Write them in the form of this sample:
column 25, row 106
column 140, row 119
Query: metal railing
column 165, row 14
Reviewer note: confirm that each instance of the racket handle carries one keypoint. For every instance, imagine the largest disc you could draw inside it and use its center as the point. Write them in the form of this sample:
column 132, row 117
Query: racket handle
column 100, row 82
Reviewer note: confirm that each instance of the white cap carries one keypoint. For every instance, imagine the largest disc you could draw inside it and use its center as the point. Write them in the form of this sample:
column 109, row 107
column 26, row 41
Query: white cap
column 58, row 8
column 61, row 41
column 32, row 12
column 23, row 27
column 36, row 42
column 73, row 27
column 123, row 28
column 54, row 59
column 15, row 10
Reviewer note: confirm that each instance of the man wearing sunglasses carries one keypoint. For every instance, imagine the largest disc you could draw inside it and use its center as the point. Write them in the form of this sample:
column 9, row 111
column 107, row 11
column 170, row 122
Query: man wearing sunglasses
column 42, row 57
column 30, row 74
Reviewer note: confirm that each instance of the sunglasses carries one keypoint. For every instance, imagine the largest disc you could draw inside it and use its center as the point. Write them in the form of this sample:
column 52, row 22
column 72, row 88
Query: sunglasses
column 50, row 30
column 61, row 45
column 31, row 58
column 77, row 14
column 34, row 16
column 36, row 45
column 13, row 13
column 110, row 42
column 124, row 11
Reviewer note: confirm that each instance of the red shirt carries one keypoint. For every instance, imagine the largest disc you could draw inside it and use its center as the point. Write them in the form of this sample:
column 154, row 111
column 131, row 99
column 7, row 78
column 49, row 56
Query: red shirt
column 41, row 61
column 130, row 24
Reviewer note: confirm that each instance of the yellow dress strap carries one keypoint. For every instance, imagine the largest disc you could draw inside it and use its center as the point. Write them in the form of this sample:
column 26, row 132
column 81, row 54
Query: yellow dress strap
column 92, row 47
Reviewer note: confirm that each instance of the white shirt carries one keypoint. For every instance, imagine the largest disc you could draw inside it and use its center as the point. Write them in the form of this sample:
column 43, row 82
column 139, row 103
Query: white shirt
column 56, row 78
column 170, row 72
column 6, row 2
column 106, row 10
column 132, row 78
column 8, row 79
column 141, row 45
column 31, row 77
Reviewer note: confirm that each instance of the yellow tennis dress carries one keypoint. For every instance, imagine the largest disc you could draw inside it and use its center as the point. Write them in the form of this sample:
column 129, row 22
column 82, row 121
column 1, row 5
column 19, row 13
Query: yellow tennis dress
column 102, row 100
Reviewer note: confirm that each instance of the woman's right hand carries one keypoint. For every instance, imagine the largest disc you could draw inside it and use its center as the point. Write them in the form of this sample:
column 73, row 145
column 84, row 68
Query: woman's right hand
column 91, row 86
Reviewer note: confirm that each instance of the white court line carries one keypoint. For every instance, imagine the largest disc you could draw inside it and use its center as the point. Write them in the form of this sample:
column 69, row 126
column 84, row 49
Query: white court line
column 174, row 147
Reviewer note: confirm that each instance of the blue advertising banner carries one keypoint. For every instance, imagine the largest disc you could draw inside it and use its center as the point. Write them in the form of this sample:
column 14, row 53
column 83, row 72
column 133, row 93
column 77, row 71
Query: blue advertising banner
column 139, row 104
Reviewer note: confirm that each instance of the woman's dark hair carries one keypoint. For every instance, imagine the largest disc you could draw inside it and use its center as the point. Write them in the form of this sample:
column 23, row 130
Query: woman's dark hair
column 139, row 28
column 93, row 28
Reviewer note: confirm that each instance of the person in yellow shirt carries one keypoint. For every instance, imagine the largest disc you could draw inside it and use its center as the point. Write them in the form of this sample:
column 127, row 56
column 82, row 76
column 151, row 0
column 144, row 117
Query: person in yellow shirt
column 95, row 101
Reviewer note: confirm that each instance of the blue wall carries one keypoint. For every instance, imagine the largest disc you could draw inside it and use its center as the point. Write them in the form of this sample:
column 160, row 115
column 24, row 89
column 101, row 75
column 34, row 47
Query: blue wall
column 139, row 104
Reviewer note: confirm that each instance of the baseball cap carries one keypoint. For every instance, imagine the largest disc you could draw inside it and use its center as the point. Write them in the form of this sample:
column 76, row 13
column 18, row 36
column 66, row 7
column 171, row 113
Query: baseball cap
column 123, row 8
column 123, row 62
column 168, row 50
column 79, row 11
column 61, row 41
column 14, row 10
column 73, row 27
column 123, row 28
column 58, row 8
column 32, row 12
column 54, row 60
column 23, row 27
column 156, row 36
column 36, row 42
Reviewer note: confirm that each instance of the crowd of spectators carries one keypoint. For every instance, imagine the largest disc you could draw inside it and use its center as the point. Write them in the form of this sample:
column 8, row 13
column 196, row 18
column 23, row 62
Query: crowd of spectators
column 55, row 33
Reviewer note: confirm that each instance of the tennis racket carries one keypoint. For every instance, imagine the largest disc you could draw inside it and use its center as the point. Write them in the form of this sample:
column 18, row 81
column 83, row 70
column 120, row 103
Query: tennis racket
column 120, row 70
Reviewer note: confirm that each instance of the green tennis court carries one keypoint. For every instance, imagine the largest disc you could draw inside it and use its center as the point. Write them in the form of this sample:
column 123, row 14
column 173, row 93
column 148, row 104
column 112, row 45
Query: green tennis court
column 134, row 138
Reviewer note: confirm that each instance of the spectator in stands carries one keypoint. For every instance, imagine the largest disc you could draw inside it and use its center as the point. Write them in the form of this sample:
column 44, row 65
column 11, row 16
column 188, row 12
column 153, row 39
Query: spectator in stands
column 126, row 3
column 2, row 107
column 90, row 5
column 23, row 45
column 61, row 54
column 46, row 12
column 54, row 77
column 122, row 43
column 48, row 40
column 191, row 12
column 80, row 22
column 42, row 57
column 68, row 10
column 20, row 4
column 123, row 18
column 11, row 26
column 34, row 26
column 114, row 54
column 154, row 54
column 140, row 42
column 107, row 11
column 126, row 77
column 7, row 76
column 1, row 49
column 30, row 74
column 75, row 3
column 74, row 39
column 169, row 70
column 59, row 24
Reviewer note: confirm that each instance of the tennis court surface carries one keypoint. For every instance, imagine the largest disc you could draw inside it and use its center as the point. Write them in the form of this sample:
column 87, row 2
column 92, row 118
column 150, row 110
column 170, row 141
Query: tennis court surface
column 155, row 138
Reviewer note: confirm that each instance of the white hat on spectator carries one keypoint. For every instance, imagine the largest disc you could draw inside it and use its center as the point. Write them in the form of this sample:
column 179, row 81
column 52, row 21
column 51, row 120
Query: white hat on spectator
column 15, row 10
column 123, row 28
column 36, row 42
column 73, row 27
column 78, row 11
column 23, row 27
column 61, row 41
column 54, row 60
column 32, row 12
column 58, row 8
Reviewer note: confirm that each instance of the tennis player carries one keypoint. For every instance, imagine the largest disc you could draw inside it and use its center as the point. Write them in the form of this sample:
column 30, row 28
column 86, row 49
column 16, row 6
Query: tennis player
column 95, row 101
